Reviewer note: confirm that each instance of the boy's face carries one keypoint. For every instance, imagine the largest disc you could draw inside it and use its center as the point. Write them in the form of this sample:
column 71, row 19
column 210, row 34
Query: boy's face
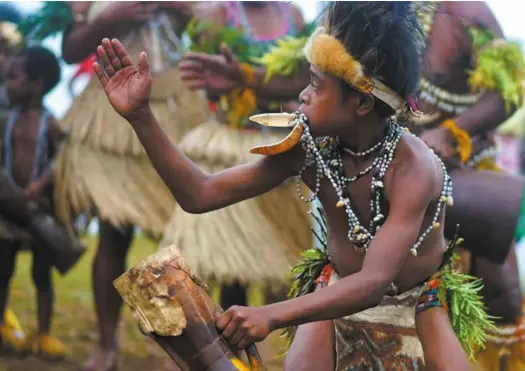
column 330, row 112
column 17, row 84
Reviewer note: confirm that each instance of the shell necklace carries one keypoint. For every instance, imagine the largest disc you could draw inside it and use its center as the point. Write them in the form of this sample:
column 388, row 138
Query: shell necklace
column 326, row 155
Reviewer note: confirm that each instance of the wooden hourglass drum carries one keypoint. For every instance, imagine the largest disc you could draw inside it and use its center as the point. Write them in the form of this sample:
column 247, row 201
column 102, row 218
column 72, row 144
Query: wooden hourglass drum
column 173, row 307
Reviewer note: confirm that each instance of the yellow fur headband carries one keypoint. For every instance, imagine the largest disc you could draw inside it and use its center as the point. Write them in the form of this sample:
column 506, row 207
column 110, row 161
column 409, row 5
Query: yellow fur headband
column 329, row 55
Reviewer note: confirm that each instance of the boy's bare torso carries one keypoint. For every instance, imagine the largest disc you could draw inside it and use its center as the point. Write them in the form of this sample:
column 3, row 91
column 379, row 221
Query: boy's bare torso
column 24, row 138
column 24, row 144
column 345, row 258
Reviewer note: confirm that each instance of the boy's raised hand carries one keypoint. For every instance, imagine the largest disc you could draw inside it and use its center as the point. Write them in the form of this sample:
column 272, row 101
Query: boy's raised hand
column 128, row 87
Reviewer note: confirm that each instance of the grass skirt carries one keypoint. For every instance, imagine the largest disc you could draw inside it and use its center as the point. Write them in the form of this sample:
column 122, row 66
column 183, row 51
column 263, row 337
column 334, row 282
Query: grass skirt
column 103, row 165
column 254, row 241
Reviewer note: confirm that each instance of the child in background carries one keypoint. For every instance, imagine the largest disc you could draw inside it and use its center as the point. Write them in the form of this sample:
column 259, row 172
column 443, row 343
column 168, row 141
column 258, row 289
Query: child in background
column 30, row 137
column 11, row 331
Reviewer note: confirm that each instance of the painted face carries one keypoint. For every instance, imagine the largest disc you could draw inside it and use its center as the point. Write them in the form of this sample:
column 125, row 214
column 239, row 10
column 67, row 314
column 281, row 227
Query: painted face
column 329, row 110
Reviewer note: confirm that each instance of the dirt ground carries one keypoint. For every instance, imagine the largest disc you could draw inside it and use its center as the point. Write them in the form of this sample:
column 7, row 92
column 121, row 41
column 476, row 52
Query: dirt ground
column 74, row 321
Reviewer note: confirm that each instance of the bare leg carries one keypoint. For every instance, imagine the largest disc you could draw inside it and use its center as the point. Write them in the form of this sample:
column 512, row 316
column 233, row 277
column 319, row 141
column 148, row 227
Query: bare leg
column 11, row 335
column 45, row 345
column 110, row 262
column 441, row 347
column 233, row 294
column 44, row 292
column 7, row 268
column 313, row 348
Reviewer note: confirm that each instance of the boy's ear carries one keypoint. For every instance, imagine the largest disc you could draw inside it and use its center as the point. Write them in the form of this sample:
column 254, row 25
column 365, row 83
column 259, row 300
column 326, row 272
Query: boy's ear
column 366, row 104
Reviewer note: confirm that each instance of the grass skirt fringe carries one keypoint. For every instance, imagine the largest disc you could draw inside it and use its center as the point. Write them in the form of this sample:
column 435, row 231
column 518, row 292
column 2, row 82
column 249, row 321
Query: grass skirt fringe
column 103, row 165
column 254, row 241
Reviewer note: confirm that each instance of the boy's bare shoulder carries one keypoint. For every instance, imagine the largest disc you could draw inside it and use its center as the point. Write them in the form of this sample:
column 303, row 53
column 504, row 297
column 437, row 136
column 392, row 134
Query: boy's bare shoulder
column 416, row 162
column 412, row 152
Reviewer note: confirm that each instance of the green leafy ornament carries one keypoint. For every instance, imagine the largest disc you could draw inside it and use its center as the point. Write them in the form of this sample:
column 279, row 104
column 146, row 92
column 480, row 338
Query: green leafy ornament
column 207, row 38
column 499, row 66
column 54, row 17
column 287, row 56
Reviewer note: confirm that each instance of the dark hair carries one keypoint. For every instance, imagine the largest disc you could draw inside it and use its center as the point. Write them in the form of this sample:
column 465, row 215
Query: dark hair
column 385, row 37
column 40, row 63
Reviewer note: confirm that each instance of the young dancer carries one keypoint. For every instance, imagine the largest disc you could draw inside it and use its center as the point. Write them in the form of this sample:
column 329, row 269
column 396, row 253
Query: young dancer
column 30, row 139
column 383, row 191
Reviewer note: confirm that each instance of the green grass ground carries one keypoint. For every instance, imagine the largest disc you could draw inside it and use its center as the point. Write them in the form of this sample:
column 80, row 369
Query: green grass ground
column 74, row 321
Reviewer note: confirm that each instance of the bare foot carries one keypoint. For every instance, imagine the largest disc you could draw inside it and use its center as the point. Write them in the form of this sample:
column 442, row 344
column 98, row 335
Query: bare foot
column 101, row 360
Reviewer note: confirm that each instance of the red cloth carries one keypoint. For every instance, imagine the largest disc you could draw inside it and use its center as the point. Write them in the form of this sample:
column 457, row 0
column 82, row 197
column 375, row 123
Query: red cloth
column 85, row 67
column 324, row 277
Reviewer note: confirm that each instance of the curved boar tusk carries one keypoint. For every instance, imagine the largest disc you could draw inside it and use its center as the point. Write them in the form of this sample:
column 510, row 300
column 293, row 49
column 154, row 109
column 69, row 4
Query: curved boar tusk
column 284, row 145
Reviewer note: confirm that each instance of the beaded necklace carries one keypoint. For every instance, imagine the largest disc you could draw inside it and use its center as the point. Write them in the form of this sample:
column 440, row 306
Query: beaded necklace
column 326, row 155
column 448, row 102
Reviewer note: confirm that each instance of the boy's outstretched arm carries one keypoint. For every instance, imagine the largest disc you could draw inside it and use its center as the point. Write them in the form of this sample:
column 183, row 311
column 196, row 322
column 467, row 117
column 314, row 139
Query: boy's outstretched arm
column 128, row 89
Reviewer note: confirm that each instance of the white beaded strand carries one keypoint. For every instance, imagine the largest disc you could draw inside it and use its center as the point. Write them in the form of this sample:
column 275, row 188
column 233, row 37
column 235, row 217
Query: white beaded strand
column 365, row 152
column 357, row 234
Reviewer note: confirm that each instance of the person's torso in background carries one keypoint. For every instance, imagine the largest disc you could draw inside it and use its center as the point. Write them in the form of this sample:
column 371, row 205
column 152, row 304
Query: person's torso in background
column 158, row 37
column 26, row 147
